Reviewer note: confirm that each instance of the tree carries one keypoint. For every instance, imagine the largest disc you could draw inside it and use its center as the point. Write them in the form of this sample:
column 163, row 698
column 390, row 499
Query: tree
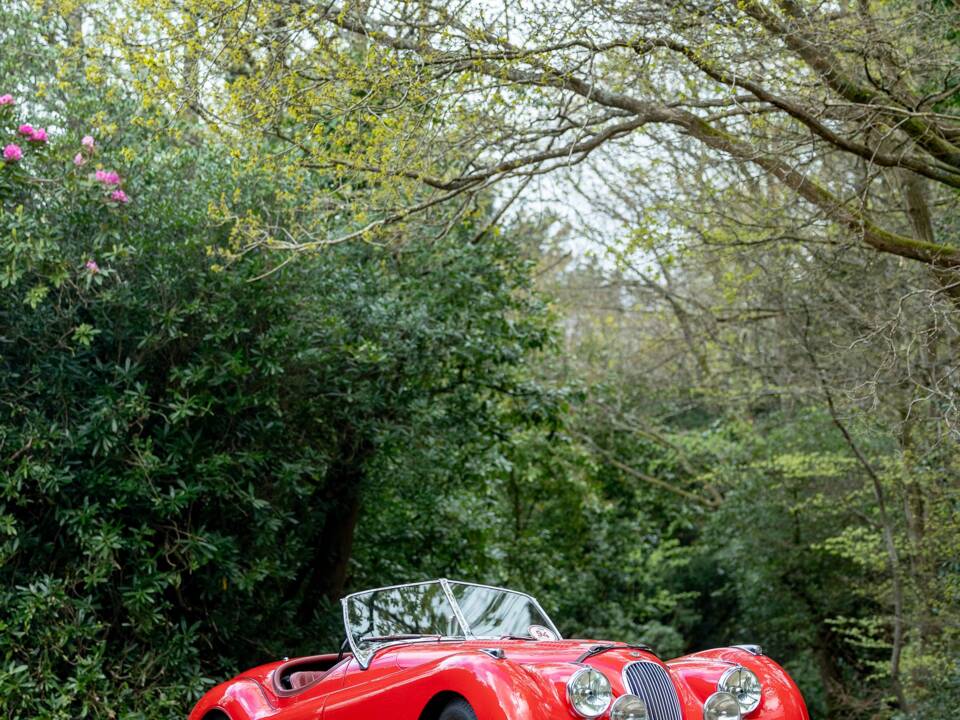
column 725, row 369
column 830, row 102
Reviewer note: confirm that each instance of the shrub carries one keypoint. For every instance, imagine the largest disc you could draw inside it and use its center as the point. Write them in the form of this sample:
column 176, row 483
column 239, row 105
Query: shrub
column 178, row 437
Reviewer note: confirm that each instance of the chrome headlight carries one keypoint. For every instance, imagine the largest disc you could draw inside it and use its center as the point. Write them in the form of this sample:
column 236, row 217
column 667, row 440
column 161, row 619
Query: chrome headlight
column 629, row 707
column 589, row 692
column 744, row 686
column 721, row 706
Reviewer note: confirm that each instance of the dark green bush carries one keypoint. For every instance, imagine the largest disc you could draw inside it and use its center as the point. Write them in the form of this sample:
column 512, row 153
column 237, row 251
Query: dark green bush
column 180, row 442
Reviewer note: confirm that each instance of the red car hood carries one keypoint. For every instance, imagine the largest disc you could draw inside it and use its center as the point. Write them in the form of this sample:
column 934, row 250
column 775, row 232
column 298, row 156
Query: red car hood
column 524, row 652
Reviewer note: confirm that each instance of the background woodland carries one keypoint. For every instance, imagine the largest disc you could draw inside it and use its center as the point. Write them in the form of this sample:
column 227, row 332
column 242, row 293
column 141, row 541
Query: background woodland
column 649, row 309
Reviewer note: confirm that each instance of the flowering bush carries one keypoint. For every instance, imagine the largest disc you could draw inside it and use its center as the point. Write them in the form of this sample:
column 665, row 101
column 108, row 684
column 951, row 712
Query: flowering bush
column 83, row 271
column 39, row 159
column 176, row 441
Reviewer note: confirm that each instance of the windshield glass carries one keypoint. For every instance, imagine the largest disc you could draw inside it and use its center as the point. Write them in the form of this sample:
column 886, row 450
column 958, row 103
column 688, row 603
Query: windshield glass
column 491, row 612
column 436, row 610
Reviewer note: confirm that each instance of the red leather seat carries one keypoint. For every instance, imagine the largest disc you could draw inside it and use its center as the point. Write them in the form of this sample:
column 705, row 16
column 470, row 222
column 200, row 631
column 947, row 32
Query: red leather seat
column 304, row 678
column 294, row 675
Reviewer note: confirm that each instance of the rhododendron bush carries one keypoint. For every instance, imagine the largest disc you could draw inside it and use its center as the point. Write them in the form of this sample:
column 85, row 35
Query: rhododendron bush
column 173, row 415
column 37, row 176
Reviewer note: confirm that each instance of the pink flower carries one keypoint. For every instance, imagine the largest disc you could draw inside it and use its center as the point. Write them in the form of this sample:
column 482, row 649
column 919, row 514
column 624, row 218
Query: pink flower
column 39, row 135
column 87, row 142
column 119, row 196
column 79, row 159
column 107, row 177
column 6, row 100
column 25, row 130
column 92, row 267
column 12, row 153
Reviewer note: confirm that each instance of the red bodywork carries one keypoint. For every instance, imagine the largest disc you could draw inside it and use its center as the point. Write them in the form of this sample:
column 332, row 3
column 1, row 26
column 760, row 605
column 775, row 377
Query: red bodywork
column 411, row 681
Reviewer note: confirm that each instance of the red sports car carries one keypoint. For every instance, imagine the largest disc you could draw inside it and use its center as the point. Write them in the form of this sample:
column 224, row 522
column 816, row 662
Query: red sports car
column 444, row 650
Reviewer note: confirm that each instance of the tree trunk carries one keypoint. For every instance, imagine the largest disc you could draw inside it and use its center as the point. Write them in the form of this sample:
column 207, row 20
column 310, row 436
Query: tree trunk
column 828, row 668
column 326, row 576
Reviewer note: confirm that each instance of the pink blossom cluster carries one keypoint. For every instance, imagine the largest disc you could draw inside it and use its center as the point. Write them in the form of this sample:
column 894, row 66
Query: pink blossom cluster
column 107, row 177
column 87, row 146
column 111, row 180
column 35, row 135
column 12, row 153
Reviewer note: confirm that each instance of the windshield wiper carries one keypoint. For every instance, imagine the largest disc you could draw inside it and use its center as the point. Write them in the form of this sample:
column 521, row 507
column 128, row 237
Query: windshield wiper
column 597, row 649
column 402, row 636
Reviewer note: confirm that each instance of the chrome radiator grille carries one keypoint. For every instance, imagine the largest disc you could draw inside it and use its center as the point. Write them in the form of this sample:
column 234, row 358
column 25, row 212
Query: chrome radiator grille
column 652, row 683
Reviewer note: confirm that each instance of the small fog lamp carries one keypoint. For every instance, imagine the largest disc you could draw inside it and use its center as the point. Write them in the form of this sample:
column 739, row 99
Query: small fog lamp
column 629, row 707
column 721, row 706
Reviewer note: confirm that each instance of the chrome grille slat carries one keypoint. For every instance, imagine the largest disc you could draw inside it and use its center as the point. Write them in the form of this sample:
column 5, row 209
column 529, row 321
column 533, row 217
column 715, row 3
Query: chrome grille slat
column 652, row 684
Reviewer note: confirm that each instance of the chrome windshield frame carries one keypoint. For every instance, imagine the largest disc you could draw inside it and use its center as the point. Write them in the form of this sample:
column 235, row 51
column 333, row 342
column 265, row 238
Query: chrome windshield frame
column 446, row 586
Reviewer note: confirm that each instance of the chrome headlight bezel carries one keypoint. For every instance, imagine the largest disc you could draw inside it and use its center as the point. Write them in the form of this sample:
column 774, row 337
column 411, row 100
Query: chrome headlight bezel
column 721, row 706
column 622, row 704
column 594, row 675
column 747, row 698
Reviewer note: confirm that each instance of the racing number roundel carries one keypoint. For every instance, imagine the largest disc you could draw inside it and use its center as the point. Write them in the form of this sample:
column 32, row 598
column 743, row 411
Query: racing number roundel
column 539, row 632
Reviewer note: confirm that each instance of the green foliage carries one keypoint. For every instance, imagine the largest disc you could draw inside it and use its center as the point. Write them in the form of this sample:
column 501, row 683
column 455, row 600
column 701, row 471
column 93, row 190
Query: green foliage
column 170, row 427
column 776, row 522
column 201, row 448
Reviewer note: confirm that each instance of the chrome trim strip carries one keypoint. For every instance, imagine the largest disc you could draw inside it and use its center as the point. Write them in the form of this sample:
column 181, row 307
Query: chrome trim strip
column 457, row 610
column 346, row 627
column 388, row 587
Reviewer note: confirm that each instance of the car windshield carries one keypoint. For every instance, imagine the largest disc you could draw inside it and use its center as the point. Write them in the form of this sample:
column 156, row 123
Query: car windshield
column 437, row 610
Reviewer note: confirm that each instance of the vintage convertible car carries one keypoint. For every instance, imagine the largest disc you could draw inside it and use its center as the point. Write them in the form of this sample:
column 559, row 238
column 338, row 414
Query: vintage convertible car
column 444, row 650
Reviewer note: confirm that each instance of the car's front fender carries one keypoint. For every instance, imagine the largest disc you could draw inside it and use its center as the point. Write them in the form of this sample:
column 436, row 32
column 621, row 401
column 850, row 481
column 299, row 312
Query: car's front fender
column 241, row 699
column 781, row 698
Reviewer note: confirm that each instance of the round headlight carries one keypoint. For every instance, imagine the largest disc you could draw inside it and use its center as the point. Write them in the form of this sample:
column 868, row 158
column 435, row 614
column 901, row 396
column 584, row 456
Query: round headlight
column 721, row 706
column 629, row 707
column 589, row 692
column 744, row 686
